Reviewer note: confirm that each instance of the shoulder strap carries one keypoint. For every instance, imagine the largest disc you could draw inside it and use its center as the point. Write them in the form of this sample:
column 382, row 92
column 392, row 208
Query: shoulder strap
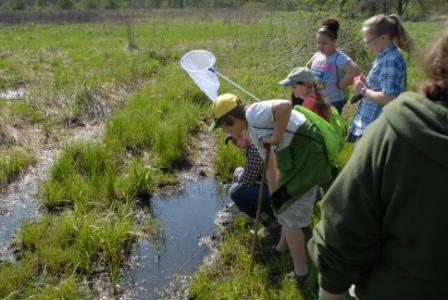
column 337, row 73
column 329, row 134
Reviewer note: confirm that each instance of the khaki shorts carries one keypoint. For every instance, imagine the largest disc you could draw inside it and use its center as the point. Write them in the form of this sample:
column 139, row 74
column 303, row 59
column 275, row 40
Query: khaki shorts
column 298, row 214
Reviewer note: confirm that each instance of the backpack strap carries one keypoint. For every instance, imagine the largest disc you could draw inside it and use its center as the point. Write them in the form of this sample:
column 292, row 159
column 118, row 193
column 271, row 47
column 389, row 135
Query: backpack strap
column 337, row 73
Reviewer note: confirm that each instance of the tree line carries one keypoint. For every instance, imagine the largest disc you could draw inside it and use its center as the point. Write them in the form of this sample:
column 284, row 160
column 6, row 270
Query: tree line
column 371, row 7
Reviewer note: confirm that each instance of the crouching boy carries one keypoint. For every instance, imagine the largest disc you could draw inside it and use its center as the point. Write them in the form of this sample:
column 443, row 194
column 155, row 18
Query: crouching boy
column 297, row 166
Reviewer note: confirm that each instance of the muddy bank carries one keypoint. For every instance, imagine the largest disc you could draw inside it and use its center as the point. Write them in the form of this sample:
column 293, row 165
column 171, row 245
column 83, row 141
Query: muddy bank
column 19, row 201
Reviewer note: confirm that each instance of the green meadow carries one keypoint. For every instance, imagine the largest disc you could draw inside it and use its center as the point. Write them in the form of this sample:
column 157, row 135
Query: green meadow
column 132, row 69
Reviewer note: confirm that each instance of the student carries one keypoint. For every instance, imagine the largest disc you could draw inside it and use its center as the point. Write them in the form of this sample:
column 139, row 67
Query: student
column 333, row 70
column 305, row 92
column 246, row 184
column 384, row 221
column 297, row 151
column 325, row 117
column 387, row 78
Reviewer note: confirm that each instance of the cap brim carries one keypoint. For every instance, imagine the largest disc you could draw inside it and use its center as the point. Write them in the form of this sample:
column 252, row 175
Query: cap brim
column 285, row 82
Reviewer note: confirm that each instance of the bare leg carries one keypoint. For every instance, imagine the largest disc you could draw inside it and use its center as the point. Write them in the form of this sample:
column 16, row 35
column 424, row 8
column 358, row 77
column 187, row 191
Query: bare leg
column 296, row 244
column 282, row 245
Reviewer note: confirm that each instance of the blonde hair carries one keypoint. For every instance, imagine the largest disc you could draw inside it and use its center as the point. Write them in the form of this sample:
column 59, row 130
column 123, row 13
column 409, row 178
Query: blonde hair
column 392, row 26
column 435, row 66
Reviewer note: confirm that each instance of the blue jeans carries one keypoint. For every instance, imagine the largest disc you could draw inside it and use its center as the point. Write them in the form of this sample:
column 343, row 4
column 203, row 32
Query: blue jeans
column 246, row 200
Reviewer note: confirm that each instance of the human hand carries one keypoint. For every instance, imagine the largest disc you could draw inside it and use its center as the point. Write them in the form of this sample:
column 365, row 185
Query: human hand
column 359, row 83
column 267, row 141
column 360, row 77
column 238, row 173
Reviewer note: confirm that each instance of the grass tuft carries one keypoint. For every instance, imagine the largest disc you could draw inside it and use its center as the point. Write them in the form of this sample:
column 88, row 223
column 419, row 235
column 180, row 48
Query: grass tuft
column 12, row 163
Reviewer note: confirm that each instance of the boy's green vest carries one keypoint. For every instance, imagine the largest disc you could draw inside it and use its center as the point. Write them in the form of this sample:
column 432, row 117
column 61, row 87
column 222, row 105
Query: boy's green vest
column 332, row 132
column 310, row 160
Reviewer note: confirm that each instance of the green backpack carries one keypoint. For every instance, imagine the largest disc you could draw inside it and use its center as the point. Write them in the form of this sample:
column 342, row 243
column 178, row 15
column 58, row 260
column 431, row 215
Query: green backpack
column 332, row 132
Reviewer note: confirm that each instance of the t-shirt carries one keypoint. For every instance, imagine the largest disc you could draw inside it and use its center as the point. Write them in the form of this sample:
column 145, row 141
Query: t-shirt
column 324, row 69
column 260, row 121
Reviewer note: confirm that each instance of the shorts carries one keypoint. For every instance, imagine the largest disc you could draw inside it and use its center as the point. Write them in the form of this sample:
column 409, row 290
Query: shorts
column 298, row 214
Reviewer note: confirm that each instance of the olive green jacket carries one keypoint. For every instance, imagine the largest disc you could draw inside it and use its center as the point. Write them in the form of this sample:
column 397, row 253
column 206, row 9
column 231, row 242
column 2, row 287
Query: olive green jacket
column 385, row 218
column 303, row 165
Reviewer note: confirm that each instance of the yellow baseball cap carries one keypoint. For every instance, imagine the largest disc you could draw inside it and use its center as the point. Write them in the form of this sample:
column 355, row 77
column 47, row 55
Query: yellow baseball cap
column 221, row 106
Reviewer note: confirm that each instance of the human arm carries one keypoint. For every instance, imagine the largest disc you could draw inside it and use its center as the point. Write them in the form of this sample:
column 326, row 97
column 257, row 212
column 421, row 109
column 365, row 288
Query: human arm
column 252, row 168
column 351, row 70
column 346, row 243
column 391, row 75
column 310, row 62
column 281, row 111
column 378, row 97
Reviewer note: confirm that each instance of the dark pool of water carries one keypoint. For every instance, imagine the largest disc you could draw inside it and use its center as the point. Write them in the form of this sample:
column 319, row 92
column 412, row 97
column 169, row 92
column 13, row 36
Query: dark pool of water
column 185, row 216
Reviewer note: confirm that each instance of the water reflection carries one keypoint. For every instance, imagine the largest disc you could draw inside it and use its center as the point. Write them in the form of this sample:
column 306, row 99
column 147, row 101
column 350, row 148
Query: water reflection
column 185, row 216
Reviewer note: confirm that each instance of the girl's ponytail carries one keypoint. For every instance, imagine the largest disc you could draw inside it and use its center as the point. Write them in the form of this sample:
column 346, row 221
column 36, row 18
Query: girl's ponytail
column 402, row 38
column 392, row 26
column 323, row 107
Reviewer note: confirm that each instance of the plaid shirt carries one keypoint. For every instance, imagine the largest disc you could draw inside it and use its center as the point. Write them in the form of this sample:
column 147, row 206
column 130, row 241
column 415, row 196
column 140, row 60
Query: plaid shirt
column 252, row 168
column 251, row 174
column 388, row 75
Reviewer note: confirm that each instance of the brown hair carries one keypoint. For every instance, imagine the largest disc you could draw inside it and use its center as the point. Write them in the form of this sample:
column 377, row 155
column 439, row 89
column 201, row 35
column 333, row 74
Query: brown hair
column 435, row 66
column 323, row 107
column 238, row 112
column 392, row 26
column 330, row 27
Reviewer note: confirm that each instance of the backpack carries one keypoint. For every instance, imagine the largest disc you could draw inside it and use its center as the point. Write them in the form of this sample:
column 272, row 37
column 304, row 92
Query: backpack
column 332, row 132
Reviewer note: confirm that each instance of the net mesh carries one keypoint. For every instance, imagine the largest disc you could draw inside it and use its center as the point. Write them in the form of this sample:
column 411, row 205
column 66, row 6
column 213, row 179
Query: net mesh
column 199, row 65
column 197, row 61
